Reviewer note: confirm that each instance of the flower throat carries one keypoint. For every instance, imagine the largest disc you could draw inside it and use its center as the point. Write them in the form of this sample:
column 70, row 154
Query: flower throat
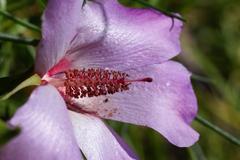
column 96, row 82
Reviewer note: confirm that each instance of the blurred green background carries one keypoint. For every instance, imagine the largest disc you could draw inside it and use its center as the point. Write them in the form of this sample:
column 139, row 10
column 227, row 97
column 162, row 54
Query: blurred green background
column 211, row 49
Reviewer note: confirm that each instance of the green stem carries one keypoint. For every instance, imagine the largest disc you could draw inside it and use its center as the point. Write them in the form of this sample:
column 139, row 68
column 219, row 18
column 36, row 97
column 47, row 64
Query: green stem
column 196, row 152
column 218, row 130
column 18, row 4
column 201, row 78
column 6, row 37
column 160, row 10
column 19, row 21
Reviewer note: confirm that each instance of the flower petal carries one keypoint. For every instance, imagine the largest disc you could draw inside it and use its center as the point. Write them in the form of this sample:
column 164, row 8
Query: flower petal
column 96, row 141
column 133, row 38
column 168, row 104
column 46, row 129
column 63, row 22
column 104, row 33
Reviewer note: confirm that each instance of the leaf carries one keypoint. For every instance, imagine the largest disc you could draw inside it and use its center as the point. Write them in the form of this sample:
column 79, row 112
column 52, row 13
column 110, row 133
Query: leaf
column 9, row 83
column 196, row 152
column 7, row 133
column 33, row 80
column 20, row 21
column 228, row 136
column 20, row 40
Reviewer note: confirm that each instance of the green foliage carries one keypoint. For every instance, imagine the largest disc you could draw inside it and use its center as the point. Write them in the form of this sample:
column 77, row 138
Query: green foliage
column 6, row 133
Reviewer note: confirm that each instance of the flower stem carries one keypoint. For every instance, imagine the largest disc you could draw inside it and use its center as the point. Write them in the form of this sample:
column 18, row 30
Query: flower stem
column 201, row 78
column 19, row 21
column 6, row 37
column 196, row 152
column 218, row 130
column 160, row 10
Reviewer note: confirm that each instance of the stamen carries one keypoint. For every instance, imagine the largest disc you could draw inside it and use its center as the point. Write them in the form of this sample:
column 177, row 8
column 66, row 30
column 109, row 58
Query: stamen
column 96, row 82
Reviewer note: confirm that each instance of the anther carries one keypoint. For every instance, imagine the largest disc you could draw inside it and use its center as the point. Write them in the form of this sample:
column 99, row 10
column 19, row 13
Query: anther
column 95, row 82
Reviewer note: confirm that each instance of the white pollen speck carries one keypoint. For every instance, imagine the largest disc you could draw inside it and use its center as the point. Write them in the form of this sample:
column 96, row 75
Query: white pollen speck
column 168, row 84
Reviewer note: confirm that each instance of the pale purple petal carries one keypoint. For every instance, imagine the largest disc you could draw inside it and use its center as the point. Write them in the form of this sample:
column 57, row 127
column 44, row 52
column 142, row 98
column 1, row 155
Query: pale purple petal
column 104, row 33
column 46, row 129
column 64, row 22
column 168, row 104
column 96, row 141
column 133, row 38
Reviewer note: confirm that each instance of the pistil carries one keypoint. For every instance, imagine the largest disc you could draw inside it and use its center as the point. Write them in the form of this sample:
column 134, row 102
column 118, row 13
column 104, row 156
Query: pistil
column 96, row 82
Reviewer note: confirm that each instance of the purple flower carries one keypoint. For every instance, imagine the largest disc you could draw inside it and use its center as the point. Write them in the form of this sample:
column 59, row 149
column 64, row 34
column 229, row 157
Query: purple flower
column 103, row 60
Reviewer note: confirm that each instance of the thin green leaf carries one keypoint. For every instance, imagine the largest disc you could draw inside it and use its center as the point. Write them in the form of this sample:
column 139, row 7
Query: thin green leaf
column 20, row 21
column 7, row 133
column 196, row 152
column 3, row 4
column 144, row 3
column 33, row 80
column 14, row 39
column 42, row 3
column 19, row 5
column 9, row 83
column 218, row 130
column 201, row 78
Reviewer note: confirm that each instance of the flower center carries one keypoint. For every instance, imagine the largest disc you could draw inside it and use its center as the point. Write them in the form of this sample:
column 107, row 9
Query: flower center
column 95, row 82
column 91, row 82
